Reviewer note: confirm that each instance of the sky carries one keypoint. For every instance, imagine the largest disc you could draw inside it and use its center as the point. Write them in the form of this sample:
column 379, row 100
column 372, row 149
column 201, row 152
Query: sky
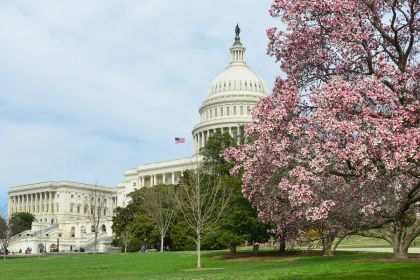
column 89, row 89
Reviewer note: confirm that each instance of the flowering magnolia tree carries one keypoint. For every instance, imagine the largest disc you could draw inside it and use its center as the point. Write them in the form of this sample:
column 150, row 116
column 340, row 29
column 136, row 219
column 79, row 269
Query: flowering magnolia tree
column 336, row 146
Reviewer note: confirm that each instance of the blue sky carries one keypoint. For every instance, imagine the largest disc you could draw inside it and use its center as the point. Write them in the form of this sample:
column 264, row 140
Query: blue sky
column 109, row 84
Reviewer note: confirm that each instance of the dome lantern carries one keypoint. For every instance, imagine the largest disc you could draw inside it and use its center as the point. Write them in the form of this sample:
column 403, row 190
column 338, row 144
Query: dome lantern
column 237, row 50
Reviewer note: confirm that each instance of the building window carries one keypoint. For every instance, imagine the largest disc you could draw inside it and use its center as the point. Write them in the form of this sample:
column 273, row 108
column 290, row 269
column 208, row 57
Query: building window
column 215, row 112
column 78, row 209
column 227, row 111
column 241, row 110
column 248, row 110
column 234, row 110
column 134, row 184
column 72, row 196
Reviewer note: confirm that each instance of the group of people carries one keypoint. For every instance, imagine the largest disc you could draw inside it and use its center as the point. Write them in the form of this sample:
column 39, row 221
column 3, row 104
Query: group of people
column 143, row 248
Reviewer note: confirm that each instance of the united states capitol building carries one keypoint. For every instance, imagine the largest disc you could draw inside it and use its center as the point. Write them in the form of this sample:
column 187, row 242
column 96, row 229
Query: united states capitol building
column 62, row 208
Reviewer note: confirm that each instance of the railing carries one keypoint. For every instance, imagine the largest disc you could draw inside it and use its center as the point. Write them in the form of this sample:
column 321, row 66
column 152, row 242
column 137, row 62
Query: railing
column 101, row 238
column 32, row 233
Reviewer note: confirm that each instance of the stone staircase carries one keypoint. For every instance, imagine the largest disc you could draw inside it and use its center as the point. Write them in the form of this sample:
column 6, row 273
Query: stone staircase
column 24, row 235
column 102, row 239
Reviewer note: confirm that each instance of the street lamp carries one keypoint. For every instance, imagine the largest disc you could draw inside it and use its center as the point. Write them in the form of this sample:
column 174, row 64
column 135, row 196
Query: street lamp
column 46, row 239
column 58, row 242
column 27, row 246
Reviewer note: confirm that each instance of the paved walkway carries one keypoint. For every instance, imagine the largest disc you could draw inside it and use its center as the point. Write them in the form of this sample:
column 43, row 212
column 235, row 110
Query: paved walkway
column 379, row 250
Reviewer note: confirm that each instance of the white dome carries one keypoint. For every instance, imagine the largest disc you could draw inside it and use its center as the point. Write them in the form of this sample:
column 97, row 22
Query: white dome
column 230, row 99
column 238, row 77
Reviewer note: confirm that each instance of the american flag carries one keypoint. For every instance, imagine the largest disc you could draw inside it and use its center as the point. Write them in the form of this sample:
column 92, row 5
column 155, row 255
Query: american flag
column 179, row 140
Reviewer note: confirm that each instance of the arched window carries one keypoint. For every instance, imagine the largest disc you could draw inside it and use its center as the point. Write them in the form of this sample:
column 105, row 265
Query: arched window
column 72, row 232
column 92, row 228
column 103, row 228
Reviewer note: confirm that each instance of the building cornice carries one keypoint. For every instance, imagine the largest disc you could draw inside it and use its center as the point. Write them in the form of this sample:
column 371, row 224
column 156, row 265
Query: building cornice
column 54, row 185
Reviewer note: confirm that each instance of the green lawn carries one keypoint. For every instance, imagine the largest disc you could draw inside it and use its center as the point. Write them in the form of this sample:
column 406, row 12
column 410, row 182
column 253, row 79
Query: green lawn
column 356, row 241
column 178, row 265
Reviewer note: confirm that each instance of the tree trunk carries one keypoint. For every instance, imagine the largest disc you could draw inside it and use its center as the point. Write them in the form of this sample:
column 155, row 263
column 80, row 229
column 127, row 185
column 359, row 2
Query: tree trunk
column 398, row 241
column 327, row 243
column 198, row 252
column 282, row 249
column 400, row 253
column 161, row 242
column 125, row 248
column 95, row 243
column 400, row 248
column 232, row 248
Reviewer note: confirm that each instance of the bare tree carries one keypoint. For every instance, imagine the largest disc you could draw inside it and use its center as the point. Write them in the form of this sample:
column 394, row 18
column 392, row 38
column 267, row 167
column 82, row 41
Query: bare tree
column 126, row 237
column 5, row 232
column 201, row 200
column 160, row 205
column 95, row 214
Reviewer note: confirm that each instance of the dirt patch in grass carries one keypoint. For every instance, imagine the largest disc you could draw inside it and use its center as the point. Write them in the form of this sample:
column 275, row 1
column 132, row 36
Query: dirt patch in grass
column 245, row 257
column 392, row 260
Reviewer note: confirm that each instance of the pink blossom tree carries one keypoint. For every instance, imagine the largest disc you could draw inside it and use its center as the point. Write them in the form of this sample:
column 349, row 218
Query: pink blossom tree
column 345, row 124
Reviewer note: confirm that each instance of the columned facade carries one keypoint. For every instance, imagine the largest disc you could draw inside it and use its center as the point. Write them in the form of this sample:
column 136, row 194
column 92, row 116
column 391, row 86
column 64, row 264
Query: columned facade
column 61, row 210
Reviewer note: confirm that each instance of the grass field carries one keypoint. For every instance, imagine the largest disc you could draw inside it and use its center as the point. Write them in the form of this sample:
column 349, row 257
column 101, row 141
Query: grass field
column 179, row 265
column 356, row 241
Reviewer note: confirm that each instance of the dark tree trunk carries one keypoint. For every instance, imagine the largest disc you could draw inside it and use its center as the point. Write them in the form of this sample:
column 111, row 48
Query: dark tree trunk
column 282, row 249
column 232, row 249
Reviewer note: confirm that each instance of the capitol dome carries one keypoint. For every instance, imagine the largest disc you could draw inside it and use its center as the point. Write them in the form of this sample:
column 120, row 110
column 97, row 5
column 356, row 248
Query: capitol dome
column 230, row 99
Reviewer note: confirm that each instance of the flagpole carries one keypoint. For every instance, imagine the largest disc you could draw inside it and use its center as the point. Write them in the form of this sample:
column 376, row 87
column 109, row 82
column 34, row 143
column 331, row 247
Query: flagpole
column 65, row 167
